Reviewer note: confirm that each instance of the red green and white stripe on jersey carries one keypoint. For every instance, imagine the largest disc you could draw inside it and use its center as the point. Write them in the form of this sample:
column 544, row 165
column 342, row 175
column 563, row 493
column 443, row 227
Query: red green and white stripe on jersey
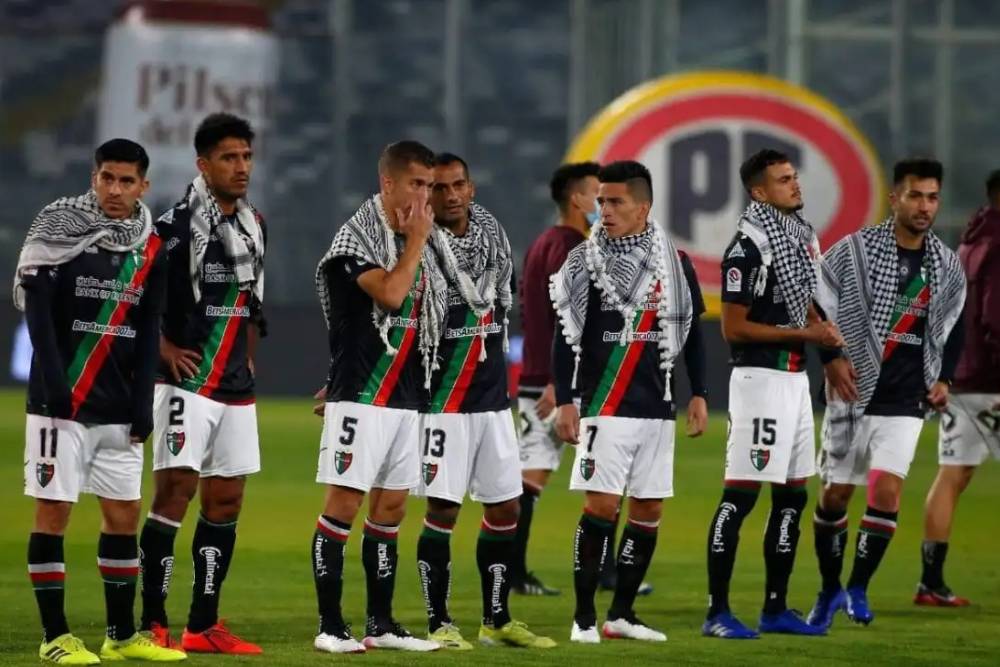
column 461, row 367
column 95, row 346
column 620, row 367
column 333, row 531
column 383, row 379
column 789, row 361
column 47, row 575
column 917, row 295
column 118, row 571
column 218, row 346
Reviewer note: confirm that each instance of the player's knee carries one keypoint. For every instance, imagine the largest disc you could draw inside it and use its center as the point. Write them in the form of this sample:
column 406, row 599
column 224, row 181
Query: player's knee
column 120, row 517
column 222, row 508
column 52, row 516
column 602, row 505
column 388, row 507
column 836, row 497
column 503, row 514
column 965, row 474
column 442, row 510
column 174, row 492
column 790, row 496
column 645, row 511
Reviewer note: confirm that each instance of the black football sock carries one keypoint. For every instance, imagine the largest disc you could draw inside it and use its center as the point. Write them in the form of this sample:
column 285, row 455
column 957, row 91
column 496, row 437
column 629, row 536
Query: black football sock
column 590, row 548
column 932, row 556
column 876, row 530
column 212, row 552
column 434, row 567
column 494, row 551
column 830, row 540
column 118, row 562
column 328, row 544
column 634, row 555
column 519, row 564
column 156, row 559
column 380, row 557
column 781, row 540
column 609, row 571
column 47, row 570
column 738, row 499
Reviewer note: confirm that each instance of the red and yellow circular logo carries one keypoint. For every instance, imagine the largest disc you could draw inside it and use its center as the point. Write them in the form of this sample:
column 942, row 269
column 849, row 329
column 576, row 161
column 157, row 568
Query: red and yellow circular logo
column 694, row 130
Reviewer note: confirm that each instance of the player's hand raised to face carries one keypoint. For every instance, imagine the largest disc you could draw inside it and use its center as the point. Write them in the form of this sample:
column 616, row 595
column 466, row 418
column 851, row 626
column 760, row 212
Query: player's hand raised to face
column 417, row 221
column 697, row 416
column 568, row 423
column 938, row 396
column 843, row 379
column 182, row 363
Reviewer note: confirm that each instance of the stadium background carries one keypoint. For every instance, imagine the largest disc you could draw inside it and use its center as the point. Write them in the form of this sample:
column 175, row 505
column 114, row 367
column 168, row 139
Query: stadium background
column 508, row 84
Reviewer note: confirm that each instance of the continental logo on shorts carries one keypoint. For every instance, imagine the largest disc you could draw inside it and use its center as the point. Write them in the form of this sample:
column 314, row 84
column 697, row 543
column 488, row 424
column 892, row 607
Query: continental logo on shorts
column 342, row 461
column 587, row 468
column 45, row 472
column 760, row 458
column 430, row 471
column 175, row 442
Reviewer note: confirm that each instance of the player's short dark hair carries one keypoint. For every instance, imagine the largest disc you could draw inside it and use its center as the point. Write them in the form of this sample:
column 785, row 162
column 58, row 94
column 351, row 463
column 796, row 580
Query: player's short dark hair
column 993, row 185
column 398, row 156
column 566, row 178
column 754, row 167
column 444, row 159
column 633, row 174
column 218, row 126
column 122, row 150
column 920, row 167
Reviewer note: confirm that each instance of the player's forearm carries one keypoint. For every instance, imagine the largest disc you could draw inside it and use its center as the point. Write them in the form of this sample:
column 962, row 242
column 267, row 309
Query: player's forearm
column 755, row 332
column 42, row 331
column 952, row 350
column 563, row 367
column 395, row 285
column 147, row 353
column 694, row 358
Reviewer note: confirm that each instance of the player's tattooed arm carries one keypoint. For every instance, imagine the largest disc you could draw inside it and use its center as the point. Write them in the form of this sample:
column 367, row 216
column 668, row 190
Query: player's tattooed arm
column 738, row 328
column 389, row 288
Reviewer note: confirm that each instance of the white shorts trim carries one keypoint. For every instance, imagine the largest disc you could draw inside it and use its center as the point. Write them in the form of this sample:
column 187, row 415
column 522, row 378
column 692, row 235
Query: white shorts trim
column 212, row 438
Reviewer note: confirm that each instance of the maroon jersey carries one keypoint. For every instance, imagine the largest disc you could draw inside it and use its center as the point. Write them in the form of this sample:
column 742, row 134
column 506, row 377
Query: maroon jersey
column 545, row 256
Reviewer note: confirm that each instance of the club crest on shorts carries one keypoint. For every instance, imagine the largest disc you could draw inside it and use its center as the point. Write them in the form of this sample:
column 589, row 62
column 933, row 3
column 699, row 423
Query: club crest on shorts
column 45, row 472
column 587, row 468
column 342, row 461
column 430, row 472
column 175, row 442
column 759, row 458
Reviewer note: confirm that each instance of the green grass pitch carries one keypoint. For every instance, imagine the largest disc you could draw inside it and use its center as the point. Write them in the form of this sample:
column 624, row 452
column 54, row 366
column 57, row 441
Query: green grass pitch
column 269, row 595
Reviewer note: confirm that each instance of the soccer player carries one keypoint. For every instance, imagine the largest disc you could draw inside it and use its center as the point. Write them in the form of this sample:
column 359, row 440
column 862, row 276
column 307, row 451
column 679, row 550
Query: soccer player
column 625, row 300
column 468, row 438
column 896, row 292
column 970, row 427
column 574, row 190
column 768, row 315
column 205, row 435
column 385, row 302
column 90, row 279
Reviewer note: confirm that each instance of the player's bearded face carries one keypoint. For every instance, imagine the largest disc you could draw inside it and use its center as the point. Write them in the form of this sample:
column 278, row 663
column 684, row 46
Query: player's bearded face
column 118, row 185
column 406, row 188
column 227, row 168
column 452, row 193
column 915, row 203
column 780, row 188
column 621, row 214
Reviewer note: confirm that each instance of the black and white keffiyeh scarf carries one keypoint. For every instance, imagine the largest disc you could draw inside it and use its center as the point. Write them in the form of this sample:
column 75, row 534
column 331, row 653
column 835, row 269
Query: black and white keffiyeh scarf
column 367, row 236
column 478, row 265
column 789, row 244
column 70, row 225
column 858, row 288
column 243, row 241
column 625, row 270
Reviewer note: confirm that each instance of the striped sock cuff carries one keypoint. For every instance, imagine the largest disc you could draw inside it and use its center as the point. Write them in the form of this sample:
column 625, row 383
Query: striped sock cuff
column 379, row 532
column 742, row 486
column 437, row 528
column 47, row 575
column 831, row 521
column 489, row 531
column 592, row 518
column 118, row 570
column 224, row 525
column 333, row 529
column 162, row 524
column 879, row 522
column 644, row 527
